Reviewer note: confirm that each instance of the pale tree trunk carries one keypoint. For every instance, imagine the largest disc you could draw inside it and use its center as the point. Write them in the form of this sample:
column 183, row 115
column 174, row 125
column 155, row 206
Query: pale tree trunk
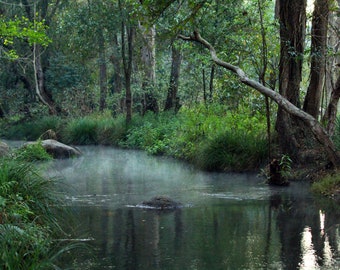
column 318, row 57
column 39, row 80
column 292, row 110
column 172, row 101
column 102, row 70
column 148, row 60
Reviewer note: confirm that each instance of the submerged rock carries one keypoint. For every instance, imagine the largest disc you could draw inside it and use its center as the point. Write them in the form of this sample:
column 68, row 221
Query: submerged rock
column 59, row 150
column 161, row 203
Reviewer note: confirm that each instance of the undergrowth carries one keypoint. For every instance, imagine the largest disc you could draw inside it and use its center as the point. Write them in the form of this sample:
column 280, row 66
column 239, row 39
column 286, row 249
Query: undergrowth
column 212, row 137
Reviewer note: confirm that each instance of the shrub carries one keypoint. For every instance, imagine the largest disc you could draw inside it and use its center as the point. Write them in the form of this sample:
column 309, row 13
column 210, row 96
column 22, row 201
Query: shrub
column 32, row 130
column 31, row 152
column 328, row 185
column 232, row 150
column 27, row 218
column 82, row 131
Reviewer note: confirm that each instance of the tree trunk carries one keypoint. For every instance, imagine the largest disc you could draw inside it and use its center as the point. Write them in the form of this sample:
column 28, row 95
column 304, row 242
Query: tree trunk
column 211, row 83
column 117, row 77
column 172, row 101
column 127, row 64
column 313, row 125
column 41, row 92
column 102, row 70
column 292, row 17
column 148, row 59
column 332, row 109
column 318, row 57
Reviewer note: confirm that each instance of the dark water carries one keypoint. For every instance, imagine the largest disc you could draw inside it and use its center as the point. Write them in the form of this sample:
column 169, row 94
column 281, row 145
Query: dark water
column 229, row 221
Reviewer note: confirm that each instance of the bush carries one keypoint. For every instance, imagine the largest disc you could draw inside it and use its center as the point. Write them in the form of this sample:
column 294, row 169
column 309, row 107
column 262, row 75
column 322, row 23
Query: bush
column 232, row 150
column 328, row 185
column 31, row 152
column 27, row 218
column 32, row 130
column 82, row 131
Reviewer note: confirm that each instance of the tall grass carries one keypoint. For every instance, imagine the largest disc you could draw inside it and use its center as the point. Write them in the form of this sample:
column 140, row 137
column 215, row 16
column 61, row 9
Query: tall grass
column 27, row 217
column 212, row 137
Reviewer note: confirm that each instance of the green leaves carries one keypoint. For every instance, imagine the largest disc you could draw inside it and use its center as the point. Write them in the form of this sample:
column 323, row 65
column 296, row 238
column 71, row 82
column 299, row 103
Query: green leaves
column 21, row 29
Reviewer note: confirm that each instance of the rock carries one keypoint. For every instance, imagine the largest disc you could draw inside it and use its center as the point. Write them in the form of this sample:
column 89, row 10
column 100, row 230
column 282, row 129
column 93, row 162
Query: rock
column 59, row 150
column 161, row 203
column 4, row 149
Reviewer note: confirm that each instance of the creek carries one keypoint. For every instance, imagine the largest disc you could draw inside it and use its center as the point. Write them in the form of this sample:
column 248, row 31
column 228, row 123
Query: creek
column 228, row 220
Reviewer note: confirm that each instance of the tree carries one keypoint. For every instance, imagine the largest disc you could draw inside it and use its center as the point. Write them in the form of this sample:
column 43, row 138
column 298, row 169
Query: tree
column 318, row 57
column 172, row 101
column 284, row 104
column 128, row 32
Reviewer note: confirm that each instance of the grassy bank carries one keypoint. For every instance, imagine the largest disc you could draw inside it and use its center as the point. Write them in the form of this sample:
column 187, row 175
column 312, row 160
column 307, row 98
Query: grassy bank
column 212, row 138
column 28, row 223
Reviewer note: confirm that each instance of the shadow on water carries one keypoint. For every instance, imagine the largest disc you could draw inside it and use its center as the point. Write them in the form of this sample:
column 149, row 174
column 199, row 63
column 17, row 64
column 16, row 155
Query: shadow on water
column 229, row 221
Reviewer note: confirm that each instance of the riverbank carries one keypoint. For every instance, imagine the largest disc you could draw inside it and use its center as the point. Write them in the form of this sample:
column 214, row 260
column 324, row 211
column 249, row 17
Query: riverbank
column 29, row 203
column 213, row 139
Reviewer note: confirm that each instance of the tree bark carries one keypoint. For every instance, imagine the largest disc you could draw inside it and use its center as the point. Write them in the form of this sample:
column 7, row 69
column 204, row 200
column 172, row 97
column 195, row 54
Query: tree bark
column 172, row 100
column 41, row 92
column 127, row 64
column 292, row 17
column 117, row 76
column 316, row 129
column 102, row 70
column 318, row 57
column 332, row 109
column 148, row 59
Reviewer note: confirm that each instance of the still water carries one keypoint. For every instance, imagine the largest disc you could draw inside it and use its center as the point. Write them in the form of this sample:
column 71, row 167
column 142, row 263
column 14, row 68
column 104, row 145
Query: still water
column 229, row 221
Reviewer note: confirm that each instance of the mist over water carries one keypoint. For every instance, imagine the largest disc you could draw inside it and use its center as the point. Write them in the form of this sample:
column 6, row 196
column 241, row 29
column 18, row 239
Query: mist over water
column 229, row 221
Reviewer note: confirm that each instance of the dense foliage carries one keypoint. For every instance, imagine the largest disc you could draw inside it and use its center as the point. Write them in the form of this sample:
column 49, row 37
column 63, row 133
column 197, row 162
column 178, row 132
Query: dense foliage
column 28, row 223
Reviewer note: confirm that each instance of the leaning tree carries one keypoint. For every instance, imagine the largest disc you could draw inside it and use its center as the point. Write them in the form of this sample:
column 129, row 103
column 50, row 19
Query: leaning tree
column 300, row 134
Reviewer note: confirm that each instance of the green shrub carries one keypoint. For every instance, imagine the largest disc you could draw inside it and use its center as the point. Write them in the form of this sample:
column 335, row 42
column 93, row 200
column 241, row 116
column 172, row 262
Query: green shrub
column 110, row 131
column 32, row 130
column 28, row 203
column 328, row 185
column 232, row 150
column 31, row 152
column 82, row 131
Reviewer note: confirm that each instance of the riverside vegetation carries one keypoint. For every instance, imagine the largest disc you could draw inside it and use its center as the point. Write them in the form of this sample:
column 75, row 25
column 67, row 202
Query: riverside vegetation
column 209, row 136
column 28, row 204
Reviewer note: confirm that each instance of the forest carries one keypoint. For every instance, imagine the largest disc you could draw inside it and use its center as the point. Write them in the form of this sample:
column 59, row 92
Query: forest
column 223, row 84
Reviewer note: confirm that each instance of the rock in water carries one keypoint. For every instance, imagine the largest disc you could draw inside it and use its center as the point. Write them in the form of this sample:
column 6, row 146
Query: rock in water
column 59, row 150
column 161, row 203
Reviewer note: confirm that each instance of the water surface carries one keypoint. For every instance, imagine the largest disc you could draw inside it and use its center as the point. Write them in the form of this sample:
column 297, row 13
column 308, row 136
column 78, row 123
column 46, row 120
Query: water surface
column 229, row 221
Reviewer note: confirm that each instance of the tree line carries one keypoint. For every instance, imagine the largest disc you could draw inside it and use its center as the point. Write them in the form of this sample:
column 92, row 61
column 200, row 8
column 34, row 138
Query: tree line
column 126, row 56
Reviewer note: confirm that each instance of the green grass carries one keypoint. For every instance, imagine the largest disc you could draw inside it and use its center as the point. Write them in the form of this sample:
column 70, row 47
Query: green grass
column 28, row 224
column 82, row 131
column 212, row 137
column 328, row 185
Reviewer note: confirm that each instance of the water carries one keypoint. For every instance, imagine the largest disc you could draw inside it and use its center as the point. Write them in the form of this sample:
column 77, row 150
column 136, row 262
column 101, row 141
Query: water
column 229, row 221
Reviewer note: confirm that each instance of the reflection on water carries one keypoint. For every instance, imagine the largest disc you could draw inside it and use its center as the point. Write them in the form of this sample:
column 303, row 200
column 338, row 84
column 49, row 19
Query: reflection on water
column 230, row 221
